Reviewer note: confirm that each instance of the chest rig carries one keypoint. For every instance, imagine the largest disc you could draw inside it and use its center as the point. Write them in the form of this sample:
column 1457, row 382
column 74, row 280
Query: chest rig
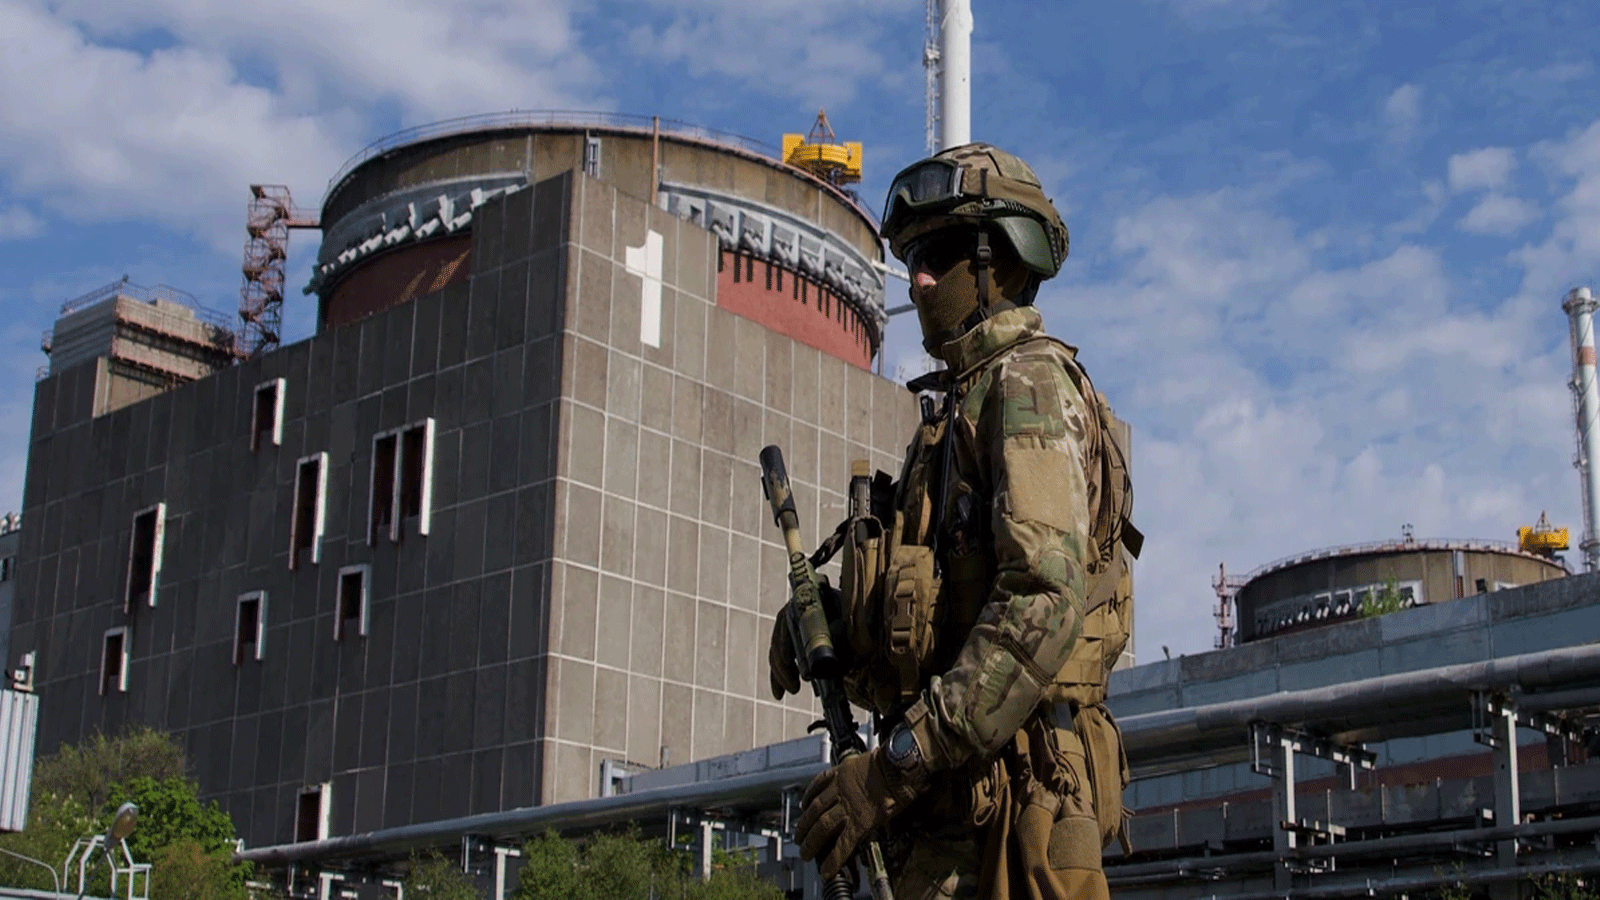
column 918, row 561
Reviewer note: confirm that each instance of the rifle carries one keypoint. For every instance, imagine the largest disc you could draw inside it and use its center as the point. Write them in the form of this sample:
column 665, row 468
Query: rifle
column 810, row 633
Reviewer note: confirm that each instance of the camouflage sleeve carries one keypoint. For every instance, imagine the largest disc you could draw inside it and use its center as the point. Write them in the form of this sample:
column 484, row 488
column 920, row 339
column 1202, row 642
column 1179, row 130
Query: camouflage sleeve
column 1033, row 436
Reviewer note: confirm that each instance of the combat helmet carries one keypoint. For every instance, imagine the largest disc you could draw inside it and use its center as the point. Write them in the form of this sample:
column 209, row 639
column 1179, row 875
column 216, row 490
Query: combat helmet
column 973, row 185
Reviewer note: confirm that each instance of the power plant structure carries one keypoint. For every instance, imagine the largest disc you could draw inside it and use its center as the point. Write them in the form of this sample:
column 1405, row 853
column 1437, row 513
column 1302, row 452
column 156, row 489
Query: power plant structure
column 1380, row 719
column 493, row 538
column 487, row 554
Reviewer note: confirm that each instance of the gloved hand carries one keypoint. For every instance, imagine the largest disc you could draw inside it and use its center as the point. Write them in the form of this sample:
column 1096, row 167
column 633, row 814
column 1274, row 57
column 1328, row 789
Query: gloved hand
column 785, row 673
column 849, row 801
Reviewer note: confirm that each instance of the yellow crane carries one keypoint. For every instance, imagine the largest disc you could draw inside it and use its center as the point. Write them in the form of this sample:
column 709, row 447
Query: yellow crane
column 822, row 155
column 1542, row 538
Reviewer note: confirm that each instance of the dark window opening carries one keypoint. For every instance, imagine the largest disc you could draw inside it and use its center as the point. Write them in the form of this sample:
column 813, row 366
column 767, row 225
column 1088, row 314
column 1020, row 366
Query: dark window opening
column 266, row 421
column 6, row 567
column 738, row 270
column 402, row 472
column 413, row 460
column 750, row 268
column 383, row 460
column 247, row 630
column 305, row 529
column 769, row 275
column 308, row 818
column 352, row 617
column 144, row 557
column 113, row 662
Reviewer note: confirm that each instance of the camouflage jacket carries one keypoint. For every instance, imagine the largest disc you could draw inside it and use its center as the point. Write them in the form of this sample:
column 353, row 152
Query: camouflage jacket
column 1022, row 535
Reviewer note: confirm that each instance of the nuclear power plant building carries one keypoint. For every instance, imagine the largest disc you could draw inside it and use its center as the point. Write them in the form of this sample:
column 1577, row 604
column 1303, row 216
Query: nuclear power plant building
column 497, row 527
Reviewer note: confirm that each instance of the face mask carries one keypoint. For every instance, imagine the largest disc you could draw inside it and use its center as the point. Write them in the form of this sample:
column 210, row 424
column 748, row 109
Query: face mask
column 944, row 310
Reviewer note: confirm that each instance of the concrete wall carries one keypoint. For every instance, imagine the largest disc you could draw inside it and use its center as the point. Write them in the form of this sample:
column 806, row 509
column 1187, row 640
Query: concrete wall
column 600, row 569
column 1430, row 571
column 667, row 567
column 624, row 160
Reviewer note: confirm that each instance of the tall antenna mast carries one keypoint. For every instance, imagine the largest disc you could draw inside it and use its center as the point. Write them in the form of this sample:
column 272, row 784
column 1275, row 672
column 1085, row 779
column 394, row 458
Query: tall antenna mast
column 930, row 68
column 947, row 62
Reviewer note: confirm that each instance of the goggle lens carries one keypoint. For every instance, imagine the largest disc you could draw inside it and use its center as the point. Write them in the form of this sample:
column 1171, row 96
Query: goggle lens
column 942, row 251
column 926, row 182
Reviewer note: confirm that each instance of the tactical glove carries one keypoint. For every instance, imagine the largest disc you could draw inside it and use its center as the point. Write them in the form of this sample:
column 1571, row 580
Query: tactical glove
column 848, row 802
column 785, row 673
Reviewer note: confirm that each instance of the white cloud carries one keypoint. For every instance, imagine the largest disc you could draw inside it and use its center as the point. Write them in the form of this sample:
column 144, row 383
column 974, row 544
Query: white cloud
column 435, row 59
column 1402, row 112
column 1499, row 214
column 18, row 222
column 1489, row 168
column 1281, row 403
column 250, row 94
column 173, row 137
column 1571, row 250
column 814, row 53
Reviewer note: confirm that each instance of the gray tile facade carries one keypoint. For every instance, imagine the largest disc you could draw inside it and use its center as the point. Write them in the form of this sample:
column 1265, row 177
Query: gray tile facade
column 600, row 569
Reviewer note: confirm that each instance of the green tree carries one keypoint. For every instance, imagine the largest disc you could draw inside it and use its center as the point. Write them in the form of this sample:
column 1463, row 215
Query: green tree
column 1567, row 886
column 1386, row 600
column 625, row 867
column 432, row 877
column 76, row 792
column 89, row 770
column 550, row 869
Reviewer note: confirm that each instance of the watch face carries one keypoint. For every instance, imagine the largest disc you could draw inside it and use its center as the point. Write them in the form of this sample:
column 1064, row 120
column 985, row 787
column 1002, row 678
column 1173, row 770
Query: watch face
column 902, row 746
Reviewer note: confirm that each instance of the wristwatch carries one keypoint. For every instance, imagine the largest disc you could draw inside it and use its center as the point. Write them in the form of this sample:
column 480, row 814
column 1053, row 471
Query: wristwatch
column 901, row 750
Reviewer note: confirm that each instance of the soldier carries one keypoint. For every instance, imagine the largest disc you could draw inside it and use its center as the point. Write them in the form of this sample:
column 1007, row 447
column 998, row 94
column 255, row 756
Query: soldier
column 988, row 601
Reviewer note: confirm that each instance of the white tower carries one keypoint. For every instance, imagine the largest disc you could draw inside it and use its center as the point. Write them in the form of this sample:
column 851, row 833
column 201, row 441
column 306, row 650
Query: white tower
column 1579, row 306
column 947, row 58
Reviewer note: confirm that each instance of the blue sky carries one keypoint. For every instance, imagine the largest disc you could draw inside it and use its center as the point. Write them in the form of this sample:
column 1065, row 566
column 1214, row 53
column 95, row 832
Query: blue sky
column 1318, row 249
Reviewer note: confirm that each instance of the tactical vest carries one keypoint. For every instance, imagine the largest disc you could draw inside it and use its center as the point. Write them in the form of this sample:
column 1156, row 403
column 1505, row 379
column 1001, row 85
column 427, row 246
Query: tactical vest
column 915, row 577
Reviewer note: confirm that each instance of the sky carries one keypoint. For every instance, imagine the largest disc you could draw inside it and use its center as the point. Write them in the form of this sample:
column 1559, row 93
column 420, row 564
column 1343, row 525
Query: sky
column 1318, row 250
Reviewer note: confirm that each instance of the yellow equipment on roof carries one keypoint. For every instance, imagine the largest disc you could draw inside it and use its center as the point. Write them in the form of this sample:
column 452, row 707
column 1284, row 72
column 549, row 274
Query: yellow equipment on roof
column 818, row 153
column 1542, row 538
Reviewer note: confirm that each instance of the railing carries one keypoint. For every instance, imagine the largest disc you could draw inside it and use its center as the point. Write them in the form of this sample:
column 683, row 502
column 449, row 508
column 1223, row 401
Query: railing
column 518, row 118
column 1403, row 544
column 122, row 287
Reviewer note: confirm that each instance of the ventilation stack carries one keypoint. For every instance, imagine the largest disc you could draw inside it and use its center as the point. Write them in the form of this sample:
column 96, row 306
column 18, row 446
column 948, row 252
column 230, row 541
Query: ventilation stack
column 1579, row 307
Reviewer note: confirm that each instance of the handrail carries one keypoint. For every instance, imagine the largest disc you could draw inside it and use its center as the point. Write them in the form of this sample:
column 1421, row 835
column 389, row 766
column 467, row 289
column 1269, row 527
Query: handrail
column 122, row 287
column 515, row 118
column 1403, row 544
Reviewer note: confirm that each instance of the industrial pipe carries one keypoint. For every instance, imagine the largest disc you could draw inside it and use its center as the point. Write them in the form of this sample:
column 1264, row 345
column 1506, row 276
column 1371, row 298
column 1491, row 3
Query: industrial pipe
column 756, row 789
column 1379, row 708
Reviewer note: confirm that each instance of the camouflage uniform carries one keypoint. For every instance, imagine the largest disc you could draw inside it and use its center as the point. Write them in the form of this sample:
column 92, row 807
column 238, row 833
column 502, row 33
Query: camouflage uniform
column 1025, row 479
column 987, row 611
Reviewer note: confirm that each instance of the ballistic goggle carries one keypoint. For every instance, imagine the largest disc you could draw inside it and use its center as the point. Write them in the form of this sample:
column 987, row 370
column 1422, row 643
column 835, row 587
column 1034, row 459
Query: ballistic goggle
column 919, row 187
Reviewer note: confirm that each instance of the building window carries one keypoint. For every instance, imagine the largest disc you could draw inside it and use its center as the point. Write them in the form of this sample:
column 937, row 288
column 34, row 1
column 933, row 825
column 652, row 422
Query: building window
column 380, row 502
column 310, row 496
column 114, row 661
column 353, row 605
column 144, row 556
column 7, row 568
column 591, row 157
column 311, row 813
column 266, row 422
column 250, row 627
column 402, row 481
